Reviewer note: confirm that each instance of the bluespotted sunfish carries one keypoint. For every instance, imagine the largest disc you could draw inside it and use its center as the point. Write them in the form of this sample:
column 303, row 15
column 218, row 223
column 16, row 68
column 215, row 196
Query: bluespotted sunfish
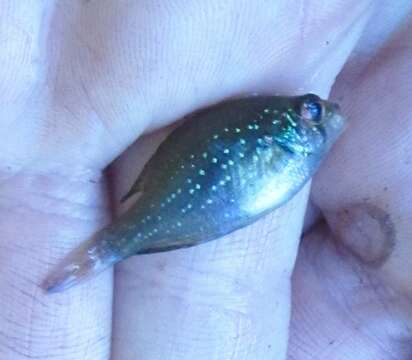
column 222, row 169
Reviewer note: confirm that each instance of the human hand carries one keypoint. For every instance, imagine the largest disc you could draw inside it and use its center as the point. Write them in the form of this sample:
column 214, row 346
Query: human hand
column 82, row 80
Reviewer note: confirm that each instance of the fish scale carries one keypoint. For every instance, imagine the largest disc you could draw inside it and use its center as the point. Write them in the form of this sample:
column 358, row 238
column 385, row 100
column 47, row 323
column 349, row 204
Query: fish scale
column 219, row 171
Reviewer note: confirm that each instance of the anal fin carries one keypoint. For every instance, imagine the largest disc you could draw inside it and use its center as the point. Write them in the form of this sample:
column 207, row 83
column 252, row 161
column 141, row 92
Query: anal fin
column 136, row 188
column 166, row 246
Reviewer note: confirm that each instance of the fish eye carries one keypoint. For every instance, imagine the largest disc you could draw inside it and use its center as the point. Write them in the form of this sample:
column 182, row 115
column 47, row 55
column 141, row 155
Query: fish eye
column 311, row 110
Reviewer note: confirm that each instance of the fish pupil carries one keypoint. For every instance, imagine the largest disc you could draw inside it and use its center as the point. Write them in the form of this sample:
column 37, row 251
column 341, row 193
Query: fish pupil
column 311, row 111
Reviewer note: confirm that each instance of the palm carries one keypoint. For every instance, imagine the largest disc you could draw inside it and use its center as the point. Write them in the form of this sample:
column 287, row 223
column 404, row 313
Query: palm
column 103, row 74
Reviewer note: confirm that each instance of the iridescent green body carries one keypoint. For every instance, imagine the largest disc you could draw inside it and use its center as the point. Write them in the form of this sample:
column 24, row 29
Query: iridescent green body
column 221, row 170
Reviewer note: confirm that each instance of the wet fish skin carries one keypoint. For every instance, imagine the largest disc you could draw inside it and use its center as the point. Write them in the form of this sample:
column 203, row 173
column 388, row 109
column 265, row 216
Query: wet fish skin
column 222, row 169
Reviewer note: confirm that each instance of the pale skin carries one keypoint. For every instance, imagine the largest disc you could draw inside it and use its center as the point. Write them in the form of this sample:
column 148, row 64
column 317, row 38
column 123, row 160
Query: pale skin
column 82, row 80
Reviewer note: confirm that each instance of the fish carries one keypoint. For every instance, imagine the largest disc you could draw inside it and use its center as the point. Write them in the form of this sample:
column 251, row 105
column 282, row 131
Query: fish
column 222, row 169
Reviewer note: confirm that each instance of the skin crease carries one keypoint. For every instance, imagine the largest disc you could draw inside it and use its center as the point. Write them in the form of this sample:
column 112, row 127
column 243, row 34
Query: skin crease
column 81, row 80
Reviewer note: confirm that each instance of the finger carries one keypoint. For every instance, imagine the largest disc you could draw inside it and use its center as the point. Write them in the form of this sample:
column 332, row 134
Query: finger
column 42, row 218
column 119, row 68
column 215, row 300
column 360, row 282
column 23, row 28
column 228, row 298
column 380, row 131
column 42, row 215
column 21, row 38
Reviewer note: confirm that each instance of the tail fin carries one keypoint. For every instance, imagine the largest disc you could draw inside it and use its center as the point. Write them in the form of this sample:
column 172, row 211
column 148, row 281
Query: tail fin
column 89, row 259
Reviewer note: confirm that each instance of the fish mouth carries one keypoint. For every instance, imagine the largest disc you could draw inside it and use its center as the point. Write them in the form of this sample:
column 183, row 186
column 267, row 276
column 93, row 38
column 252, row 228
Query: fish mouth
column 335, row 118
column 335, row 126
column 338, row 122
column 335, row 122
